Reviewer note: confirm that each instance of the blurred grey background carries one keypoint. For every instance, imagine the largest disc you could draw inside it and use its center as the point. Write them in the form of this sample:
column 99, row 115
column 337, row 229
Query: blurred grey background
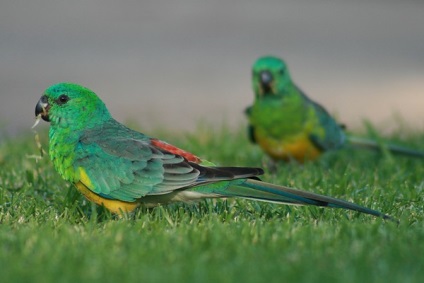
column 175, row 63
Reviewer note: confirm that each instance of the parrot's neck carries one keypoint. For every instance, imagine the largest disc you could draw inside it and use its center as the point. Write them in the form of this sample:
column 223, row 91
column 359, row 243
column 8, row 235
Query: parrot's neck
column 270, row 115
column 62, row 147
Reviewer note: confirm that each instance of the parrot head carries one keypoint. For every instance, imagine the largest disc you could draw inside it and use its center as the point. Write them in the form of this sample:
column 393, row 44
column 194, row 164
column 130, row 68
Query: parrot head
column 70, row 105
column 270, row 76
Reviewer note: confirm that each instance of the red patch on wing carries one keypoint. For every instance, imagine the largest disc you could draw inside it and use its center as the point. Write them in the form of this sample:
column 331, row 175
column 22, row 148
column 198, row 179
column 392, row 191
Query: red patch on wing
column 175, row 150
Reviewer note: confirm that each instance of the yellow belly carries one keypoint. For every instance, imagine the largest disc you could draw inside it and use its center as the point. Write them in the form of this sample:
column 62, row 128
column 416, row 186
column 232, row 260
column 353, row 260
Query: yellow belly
column 299, row 147
column 115, row 206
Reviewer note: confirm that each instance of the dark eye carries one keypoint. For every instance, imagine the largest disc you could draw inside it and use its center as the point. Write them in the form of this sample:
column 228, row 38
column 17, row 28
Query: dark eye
column 62, row 99
column 281, row 71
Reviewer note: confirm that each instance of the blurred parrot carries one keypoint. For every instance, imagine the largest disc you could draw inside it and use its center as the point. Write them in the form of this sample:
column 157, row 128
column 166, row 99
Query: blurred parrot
column 120, row 169
column 288, row 125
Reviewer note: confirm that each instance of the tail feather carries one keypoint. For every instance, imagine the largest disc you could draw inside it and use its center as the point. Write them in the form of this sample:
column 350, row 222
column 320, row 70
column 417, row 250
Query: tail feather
column 258, row 190
column 373, row 145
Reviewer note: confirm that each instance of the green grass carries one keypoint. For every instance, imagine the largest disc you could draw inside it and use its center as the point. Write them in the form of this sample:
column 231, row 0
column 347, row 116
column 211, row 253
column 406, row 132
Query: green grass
column 49, row 233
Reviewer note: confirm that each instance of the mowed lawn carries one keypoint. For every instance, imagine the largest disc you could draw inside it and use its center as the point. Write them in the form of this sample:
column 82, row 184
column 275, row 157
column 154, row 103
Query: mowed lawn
column 49, row 233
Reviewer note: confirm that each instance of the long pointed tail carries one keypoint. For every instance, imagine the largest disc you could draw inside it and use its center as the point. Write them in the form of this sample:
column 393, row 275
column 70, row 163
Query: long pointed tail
column 258, row 190
column 374, row 145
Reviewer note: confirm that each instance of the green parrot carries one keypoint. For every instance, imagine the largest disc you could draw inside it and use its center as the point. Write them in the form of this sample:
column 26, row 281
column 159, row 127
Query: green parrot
column 114, row 166
column 289, row 125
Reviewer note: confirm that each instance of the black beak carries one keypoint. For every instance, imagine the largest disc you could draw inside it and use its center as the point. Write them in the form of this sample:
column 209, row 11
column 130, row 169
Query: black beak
column 42, row 107
column 266, row 80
